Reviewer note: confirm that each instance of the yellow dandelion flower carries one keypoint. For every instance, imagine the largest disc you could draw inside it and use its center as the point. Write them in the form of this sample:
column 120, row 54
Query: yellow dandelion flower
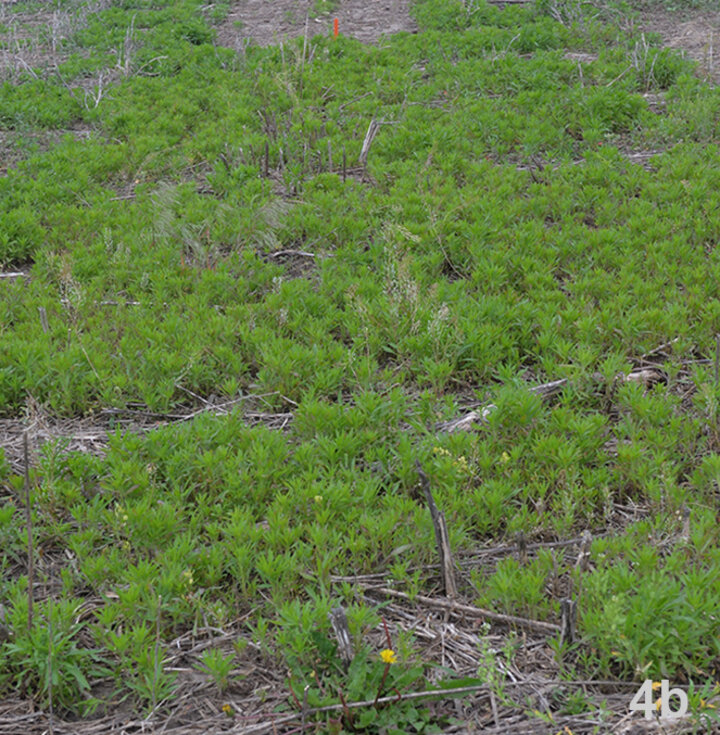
column 228, row 710
column 388, row 656
column 656, row 685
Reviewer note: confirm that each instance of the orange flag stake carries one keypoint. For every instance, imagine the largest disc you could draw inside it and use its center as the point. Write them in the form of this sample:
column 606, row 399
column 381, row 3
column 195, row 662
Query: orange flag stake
column 336, row 27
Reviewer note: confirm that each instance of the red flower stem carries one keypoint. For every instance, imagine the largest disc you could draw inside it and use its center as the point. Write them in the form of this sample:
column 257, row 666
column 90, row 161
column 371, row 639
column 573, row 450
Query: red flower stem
column 387, row 634
column 346, row 709
column 294, row 696
column 382, row 684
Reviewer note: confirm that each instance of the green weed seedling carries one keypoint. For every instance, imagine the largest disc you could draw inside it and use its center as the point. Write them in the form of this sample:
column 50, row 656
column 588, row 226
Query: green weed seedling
column 322, row 7
column 139, row 671
column 48, row 659
column 218, row 666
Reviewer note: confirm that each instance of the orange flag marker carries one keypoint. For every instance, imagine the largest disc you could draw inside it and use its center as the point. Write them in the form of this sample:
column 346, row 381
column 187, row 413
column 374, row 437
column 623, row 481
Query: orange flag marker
column 336, row 27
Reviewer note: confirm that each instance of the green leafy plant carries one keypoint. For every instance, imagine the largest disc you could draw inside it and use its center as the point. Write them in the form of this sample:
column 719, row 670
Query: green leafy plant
column 370, row 678
column 48, row 658
column 217, row 665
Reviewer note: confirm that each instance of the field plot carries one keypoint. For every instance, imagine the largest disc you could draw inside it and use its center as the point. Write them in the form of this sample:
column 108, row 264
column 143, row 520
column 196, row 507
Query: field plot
column 266, row 23
column 273, row 304
column 695, row 37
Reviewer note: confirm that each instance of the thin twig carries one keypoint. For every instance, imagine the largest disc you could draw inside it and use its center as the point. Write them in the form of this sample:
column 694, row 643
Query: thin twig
column 353, row 100
column 299, row 253
column 425, row 694
column 661, row 347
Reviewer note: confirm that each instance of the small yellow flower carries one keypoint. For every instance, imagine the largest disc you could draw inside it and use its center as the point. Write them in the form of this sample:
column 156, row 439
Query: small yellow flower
column 656, row 685
column 504, row 457
column 388, row 656
column 318, row 498
column 228, row 710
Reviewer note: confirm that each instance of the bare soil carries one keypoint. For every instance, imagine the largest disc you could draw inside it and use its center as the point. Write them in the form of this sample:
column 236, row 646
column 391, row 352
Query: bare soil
column 35, row 40
column 16, row 146
column 265, row 23
column 697, row 37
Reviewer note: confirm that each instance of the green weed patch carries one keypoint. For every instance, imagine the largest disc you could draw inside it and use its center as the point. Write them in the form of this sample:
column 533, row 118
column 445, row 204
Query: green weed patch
column 301, row 262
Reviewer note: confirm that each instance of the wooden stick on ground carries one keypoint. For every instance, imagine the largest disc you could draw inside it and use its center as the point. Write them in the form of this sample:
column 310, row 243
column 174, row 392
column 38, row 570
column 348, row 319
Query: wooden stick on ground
column 469, row 421
column 583, row 559
column 521, row 547
column 372, row 130
column 467, row 610
column 441, row 536
column 569, row 618
column 339, row 623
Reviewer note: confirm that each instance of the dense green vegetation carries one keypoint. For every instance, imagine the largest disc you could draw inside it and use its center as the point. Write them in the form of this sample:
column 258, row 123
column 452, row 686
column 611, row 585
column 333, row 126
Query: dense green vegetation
column 500, row 237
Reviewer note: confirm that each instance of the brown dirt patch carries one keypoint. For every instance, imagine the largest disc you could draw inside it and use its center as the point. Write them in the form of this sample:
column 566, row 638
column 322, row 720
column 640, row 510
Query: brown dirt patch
column 266, row 23
column 34, row 39
column 697, row 37
column 91, row 434
column 16, row 146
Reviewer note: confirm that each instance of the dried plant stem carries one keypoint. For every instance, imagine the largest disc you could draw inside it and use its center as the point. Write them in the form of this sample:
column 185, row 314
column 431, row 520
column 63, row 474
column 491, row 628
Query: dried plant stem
column 442, row 538
column 50, row 669
column 28, row 524
column 156, row 671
